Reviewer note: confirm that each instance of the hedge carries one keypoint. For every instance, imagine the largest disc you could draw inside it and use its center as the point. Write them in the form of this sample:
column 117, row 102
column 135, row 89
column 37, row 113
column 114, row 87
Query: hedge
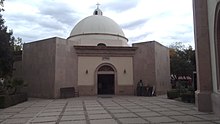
column 10, row 100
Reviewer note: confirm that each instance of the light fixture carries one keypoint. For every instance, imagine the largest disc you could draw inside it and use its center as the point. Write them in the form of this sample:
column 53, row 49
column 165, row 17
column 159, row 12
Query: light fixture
column 124, row 71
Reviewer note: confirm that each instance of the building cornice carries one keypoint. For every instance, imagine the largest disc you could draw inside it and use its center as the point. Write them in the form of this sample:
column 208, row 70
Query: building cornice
column 105, row 51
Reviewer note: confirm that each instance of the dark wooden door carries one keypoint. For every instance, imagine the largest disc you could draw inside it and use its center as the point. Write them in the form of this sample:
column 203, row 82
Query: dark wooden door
column 106, row 84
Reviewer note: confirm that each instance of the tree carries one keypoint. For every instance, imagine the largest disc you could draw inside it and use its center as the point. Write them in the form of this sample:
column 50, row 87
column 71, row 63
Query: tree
column 1, row 5
column 6, row 49
column 8, row 44
column 182, row 61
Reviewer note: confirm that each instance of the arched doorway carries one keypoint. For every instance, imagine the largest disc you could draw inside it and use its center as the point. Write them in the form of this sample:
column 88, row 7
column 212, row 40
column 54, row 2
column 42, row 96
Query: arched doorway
column 105, row 80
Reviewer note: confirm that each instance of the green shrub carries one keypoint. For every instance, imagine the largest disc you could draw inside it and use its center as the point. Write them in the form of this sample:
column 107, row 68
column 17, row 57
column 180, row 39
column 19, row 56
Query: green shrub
column 9, row 100
column 172, row 94
column 2, row 99
column 11, row 85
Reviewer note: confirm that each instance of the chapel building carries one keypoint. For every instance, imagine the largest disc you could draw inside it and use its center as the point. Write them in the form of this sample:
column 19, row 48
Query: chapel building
column 95, row 59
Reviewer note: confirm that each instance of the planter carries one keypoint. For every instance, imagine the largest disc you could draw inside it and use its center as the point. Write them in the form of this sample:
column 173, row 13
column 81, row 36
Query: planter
column 188, row 97
column 173, row 94
column 9, row 100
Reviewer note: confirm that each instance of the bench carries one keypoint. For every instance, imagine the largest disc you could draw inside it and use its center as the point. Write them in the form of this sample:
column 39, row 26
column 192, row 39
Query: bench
column 68, row 92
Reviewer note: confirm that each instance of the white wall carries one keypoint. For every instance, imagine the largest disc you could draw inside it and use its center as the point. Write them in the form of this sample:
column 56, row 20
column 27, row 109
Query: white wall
column 91, row 64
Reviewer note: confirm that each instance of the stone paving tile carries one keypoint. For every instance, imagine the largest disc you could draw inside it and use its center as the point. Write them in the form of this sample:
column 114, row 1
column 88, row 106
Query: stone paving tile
column 99, row 116
column 160, row 119
column 201, row 122
column 144, row 104
column 161, row 103
column 103, row 121
column 132, row 121
column 152, row 106
column 16, row 121
column 32, row 110
column 167, row 113
column 169, row 106
column 38, row 104
column 42, row 122
column 180, row 109
column 74, row 106
column 118, row 111
column 127, row 105
column 134, row 107
column 218, row 122
column 45, row 119
column 96, row 104
column 73, row 118
column 55, row 107
column 148, row 114
column 209, row 117
column 114, row 107
column 47, row 114
column 26, row 115
column 124, row 115
column 13, row 110
column 95, row 108
column 96, row 112
column 186, row 105
column 160, row 109
column 52, row 110
column 4, row 116
column 92, row 105
column 171, row 123
column 24, row 105
column 139, row 110
column 73, row 122
column 74, row 109
column 109, row 105
column 193, row 112
column 73, row 113
column 186, row 118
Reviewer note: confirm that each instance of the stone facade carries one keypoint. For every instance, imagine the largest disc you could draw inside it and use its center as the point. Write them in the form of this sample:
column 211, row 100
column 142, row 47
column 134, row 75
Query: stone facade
column 206, row 28
column 152, row 66
column 51, row 64
column 91, row 58
column 38, row 64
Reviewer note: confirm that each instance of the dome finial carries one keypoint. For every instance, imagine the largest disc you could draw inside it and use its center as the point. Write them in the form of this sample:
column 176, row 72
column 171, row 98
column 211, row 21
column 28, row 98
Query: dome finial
column 97, row 10
column 97, row 4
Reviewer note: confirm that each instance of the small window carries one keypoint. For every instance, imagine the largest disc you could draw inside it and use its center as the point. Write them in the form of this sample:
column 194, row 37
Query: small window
column 101, row 44
column 106, row 68
column 96, row 12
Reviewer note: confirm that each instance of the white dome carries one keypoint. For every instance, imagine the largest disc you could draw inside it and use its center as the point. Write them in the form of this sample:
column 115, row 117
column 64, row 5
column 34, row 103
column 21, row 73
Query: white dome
column 96, row 29
column 97, row 24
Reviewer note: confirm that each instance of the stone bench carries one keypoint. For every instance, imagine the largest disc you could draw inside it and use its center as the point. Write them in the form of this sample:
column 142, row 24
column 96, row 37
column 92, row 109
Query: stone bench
column 68, row 92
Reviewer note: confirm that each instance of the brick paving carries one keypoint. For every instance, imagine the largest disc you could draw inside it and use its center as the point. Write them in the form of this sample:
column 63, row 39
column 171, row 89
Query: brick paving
column 100, row 110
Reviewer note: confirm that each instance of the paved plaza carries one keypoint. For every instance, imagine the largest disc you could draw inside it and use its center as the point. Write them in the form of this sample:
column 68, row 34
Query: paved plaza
column 106, row 110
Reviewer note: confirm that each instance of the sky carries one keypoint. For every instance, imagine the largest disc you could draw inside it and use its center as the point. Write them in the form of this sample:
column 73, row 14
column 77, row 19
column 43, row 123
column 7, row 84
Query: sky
column 165, row 21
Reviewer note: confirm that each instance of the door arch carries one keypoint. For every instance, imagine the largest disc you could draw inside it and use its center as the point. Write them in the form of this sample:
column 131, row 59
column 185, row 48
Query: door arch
column 105, row 79
column 217, row 43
